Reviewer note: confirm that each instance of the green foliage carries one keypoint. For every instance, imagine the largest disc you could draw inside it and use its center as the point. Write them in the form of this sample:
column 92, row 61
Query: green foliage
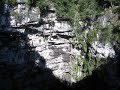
column 42, row 3
column 116, row 9
column 88, row 8
column 92, row 36
column 90, row 64
column 105, row 34
column 9, row 1
column 116, row 37
column 29, row 2
column 68, row 8
column 77, row 68
column 85, row 65
column 65, row 8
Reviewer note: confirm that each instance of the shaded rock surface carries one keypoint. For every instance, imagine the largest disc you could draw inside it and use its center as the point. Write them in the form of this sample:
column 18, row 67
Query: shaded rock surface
column 28, row 77
column 25, row 35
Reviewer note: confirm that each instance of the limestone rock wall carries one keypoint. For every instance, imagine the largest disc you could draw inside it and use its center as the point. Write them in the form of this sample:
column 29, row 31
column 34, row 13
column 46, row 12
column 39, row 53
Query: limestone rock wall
column 26, row 36
column 37, row 36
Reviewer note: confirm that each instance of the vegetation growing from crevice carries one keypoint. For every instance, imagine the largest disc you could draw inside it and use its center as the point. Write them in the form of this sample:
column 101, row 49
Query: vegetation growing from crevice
column 87, row 12
column 83, row 16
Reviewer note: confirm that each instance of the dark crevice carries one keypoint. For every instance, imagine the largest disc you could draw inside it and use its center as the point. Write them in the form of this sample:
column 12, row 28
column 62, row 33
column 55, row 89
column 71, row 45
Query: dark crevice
column 65, row 36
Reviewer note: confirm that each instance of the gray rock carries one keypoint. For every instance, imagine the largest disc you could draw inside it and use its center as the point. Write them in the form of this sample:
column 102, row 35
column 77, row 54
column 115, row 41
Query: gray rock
column 101, row 50
column 50, row 40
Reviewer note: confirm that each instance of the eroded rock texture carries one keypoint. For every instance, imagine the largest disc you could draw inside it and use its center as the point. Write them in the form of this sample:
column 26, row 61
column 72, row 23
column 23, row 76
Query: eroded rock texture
column 25, row 36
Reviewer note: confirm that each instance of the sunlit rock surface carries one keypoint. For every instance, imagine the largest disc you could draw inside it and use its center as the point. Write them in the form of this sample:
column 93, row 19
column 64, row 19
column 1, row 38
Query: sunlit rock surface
column 102, row 50
column 25, row 36
column 36, row 36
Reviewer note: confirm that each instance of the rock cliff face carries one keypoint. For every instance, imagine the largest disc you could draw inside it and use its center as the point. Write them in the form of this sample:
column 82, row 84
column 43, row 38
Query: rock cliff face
column 25, row 36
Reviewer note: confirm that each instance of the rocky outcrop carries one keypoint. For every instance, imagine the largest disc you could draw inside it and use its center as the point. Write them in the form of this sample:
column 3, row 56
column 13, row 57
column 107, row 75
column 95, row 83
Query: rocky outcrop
column 102, row 50
column 43, row 36
column 26, row 35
